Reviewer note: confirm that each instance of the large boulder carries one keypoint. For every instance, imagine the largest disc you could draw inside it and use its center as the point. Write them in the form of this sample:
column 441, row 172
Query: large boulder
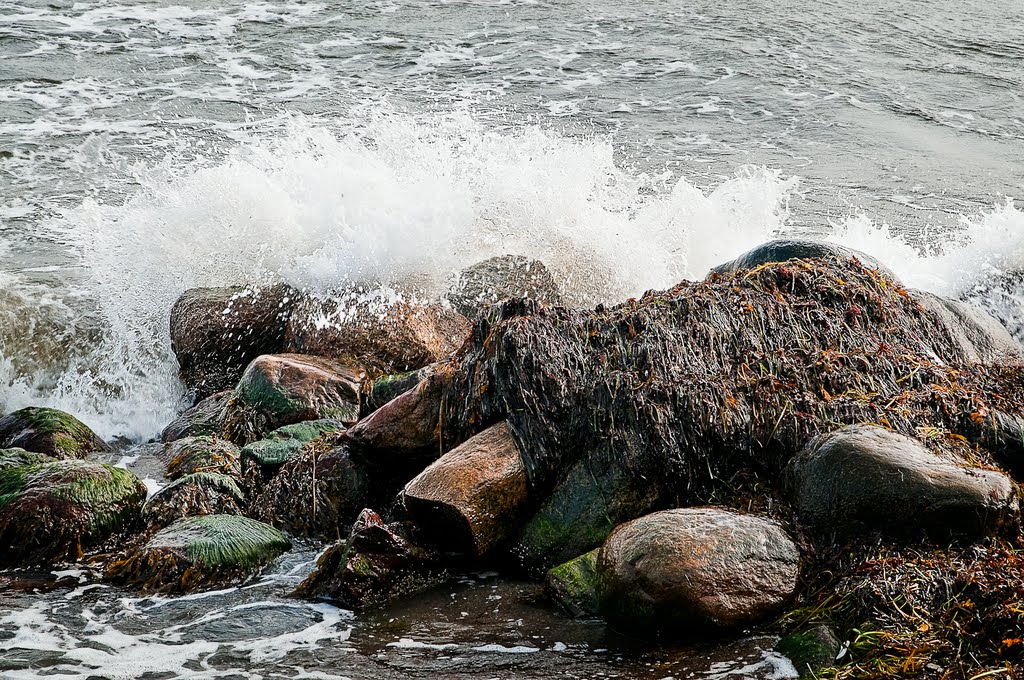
column 471, row 499
column 695, row 570
column 979, row 335
column 49, row 431
column 384, row 336
column 200, row 493
column 201, row 454
column 200, row 553
column 54, row 511
column 498, row 278
column 866, row 478
column 782, row 250
column 1002, row 296
column 217, row 332
column 281, row 389
column 203, row 419
column 378, row 563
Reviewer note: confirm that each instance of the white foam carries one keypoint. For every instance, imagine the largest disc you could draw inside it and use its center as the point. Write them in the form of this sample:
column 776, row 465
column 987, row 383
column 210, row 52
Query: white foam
column 502, row 649
column 409, row 643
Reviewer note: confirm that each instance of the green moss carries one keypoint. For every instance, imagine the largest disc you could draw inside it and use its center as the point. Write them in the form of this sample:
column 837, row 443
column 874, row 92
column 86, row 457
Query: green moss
column 284, row 442
column 573, row 585
column 17, row 457
column 112, row 495
column 12, row 482
column 49, row 431
column 211, row 480
column 811, row 650
column 201, row 454
column 223, row 541
column 362, row 567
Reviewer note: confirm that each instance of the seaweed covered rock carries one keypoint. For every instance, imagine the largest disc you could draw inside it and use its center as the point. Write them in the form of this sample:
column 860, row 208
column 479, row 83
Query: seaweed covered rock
column 49, row 431
column 388, row 387
column 282, row 389
column 200, row 493
column 15, row 457
column 201, row 454
column 217, row 332
column 497, row 278
column 810, row 650
column 378, row 563
column 382, row 335
column 864, row 477
column 781, row 250
column 695, row 570
column 204, row 419
column 980, row 336
column 471, row 499
column 54, row 511
column 573, row 585
column 200, row 553
column 262, row 459
column 594, row 497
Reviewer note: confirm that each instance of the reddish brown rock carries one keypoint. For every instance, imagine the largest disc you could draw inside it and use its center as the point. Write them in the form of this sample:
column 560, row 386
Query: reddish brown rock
column 473, row 498
column 693, row 570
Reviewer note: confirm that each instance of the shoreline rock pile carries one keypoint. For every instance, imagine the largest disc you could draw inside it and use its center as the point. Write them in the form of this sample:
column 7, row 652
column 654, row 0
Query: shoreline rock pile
column 744, row 452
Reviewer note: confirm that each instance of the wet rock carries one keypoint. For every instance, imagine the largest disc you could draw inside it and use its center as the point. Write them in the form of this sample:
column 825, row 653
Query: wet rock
column 388, row 387
column 377, row 564
column 471, row 500
column 695, row 570
column 282, row 389
column 319, row 492
column 1002, row 297
column 573, row 585
column 811, row 650
column 781, row 250
column 262, row 459
column 49, row 431
column 980, row 336
column 596, row 495
column 205, row 418
column 498, row 278
column 385, row 337
column 217, row 332
column 15, row 457
column 200, row 553
column 201, row 454
column 200, row 493
column 54, row 511
column 866, row 478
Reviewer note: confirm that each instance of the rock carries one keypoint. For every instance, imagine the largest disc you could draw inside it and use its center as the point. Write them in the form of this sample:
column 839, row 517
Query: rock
column 376, row 565
column 319, row 492
column 980, row 336
column 596, row 495
column 200, row 493
column 497, row 278
column 388, row 387
column 15, row 457
column 811, row 650
column 205, row 418
column 49, row 431
column 200, row 553
column 382, row 336
column 54, row 511
column 573, row 585
column 1002, row 297
column 201, row 454
column 472, row 498
column 282, row 389
column 217, row 332
column 265, row 457
column 695, row 570
column 782, row 250
column 866, row 478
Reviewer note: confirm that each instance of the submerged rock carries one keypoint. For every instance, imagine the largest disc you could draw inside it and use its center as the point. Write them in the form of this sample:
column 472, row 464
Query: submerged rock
column 782, row 250
column 695, row 570
column 217, row 332
column 383, row 336
column 283, row 389
column 54, row 511
column 472, row 498
column 200, row 553
column 573, row 585
column 864, row 477
column 497, row 278
column 196, row 494
column 203, row 419
column 377, row 564
column 201, row 454
column 49, row 431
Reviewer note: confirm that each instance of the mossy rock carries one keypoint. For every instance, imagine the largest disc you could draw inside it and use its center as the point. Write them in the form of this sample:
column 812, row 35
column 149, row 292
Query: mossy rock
column 388, row 387
column 54, row 511
column 810, row 650
column 16, row 457
column 284, row 442
column 201, row 454
column 200, row 553
column 49, row 431
column 573, row 585
column 200, row 493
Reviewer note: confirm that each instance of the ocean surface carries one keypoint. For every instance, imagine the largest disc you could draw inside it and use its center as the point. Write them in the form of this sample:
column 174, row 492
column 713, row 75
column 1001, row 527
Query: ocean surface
column 149, row 147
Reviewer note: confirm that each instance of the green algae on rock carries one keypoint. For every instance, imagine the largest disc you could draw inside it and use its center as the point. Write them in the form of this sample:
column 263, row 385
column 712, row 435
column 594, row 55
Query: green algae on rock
column 201, row 454
column 15, row 457
column 270, row 453
column 196, row 494
column 200, row 553
column 573, row 585
column 54, row 511
column 49, row 431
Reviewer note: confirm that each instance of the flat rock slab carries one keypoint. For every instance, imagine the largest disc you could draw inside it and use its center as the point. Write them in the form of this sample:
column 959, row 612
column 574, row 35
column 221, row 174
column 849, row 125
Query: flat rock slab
column 49, row 431
column 688, row 571
column 867, row 478
column 471, row 499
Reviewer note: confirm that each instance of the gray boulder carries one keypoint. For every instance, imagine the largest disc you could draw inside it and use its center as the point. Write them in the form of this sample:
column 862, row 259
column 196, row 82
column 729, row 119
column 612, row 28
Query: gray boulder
column 981, row 337
column 498, row 278
column 781, row 250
